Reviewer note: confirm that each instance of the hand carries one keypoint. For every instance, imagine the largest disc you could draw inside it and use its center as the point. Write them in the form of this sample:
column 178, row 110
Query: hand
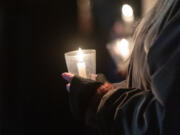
column 103, row 89
column 68, row 77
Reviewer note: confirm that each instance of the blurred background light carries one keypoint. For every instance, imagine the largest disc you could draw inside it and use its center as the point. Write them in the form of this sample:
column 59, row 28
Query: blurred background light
column 122, row 48
column 127, row 13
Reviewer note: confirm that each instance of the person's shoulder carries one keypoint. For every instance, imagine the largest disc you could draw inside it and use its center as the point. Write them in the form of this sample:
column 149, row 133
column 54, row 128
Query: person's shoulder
column 173, row 22
column 170, row 33
column 171, row 27
column 167, row 44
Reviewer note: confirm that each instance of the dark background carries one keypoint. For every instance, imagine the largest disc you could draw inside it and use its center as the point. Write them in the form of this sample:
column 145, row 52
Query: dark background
column 34, row 35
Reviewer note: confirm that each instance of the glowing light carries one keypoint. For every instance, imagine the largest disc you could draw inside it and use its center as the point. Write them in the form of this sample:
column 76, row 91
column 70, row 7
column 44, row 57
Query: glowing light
column 127, row 13
column 123, row 48
column 127, row 10
column 81, row 66
column 80, row 55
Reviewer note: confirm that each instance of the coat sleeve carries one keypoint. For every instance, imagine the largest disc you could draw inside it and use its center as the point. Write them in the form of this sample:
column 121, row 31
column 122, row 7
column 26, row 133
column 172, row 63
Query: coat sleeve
column 153, row 112
column 82, row 91
column 80, row 96
column 84, row 97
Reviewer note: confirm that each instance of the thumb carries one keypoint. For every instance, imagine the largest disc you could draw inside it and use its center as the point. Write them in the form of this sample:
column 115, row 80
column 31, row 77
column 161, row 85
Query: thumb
column 67, row 76
column 68, row 87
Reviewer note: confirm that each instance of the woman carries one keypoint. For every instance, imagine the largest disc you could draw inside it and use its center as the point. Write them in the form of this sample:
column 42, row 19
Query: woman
column 148, row 103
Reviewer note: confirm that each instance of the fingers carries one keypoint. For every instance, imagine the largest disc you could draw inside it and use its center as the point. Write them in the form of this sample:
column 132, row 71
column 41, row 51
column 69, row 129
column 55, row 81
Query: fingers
column 105, row 88
column 67, row 76
column 68, row 87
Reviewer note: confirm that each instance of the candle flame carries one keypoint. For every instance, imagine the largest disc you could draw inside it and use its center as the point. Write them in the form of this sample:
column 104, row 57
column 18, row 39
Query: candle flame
column 80, row 55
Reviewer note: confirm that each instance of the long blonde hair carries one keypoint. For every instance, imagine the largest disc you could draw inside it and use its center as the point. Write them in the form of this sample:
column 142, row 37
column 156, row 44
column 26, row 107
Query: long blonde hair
column 144, row 37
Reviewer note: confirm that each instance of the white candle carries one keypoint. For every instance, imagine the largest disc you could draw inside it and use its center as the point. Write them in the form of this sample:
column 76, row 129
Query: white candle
column 81, row 69
column 81, row 66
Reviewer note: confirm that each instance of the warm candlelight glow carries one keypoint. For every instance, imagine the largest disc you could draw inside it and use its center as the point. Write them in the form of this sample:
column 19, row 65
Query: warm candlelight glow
column 81, row 62
column 81, row 66
column 120, row 50
column 127, row 13
column 80, row 55
column 122, row 47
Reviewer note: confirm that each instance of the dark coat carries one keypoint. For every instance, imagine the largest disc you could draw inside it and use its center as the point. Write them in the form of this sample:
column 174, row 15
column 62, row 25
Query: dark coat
column 131, row 111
